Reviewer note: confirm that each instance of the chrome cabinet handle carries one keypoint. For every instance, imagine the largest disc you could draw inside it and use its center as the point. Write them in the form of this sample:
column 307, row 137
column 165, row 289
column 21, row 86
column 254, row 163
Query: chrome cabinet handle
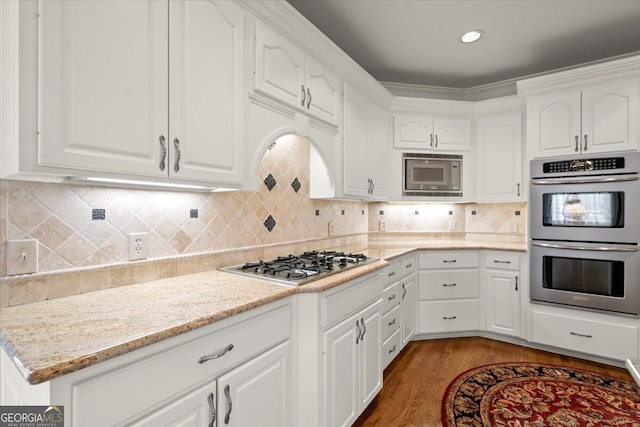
column 359, row 331
column 581, row 335
column 227, row 393
column 163, row 152
column 497, row 261
column 516, row 283
column 393, row 349
column 373, row 186
column 308, row 98
column 449, row 284
column 577, row 143
column 449, row 317
column 584, row 148
column 176, row 163
column 392, row 297
column 393, row 322
column 212, row 409
column 518, row 185
column 364, row 328
column 409, row 265
column 212, row 356
column 449, row 260
column 304, row 96
column 404, row 290
column 393, row 273
column 431, row 144
column 436, row 141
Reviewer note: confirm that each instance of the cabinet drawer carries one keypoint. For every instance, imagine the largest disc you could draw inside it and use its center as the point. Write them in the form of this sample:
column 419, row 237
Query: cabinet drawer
column 434, row 285
column 503, row 261
column 178, row 367
column 599, row 338
column 390, row 323
column 447, row 316
column 448, row 259
column 390, row 349
column 391, row 297
column 407, row 265
column 391, row 273
column 347, row 299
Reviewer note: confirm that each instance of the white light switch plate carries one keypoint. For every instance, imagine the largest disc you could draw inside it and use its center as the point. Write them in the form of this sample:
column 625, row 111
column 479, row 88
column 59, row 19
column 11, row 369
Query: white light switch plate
column 22, row 256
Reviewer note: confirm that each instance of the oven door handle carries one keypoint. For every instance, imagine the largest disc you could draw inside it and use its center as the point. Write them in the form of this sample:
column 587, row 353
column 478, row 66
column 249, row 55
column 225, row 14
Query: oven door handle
column 582, row 180
column 584, row 248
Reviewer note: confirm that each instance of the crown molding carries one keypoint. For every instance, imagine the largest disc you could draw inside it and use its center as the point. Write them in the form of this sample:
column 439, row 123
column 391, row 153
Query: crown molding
column 477, row 93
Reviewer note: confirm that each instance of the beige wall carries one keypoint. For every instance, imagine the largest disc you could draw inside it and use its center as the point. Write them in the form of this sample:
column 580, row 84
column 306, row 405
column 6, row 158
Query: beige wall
column 59, row 216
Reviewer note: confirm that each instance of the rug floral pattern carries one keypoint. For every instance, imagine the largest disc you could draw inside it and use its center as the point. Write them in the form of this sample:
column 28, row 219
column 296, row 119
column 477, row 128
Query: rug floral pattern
column 534, row 395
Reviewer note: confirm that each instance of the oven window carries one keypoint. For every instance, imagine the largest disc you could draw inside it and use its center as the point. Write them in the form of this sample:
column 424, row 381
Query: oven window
column 588, row 276
column 602, row 209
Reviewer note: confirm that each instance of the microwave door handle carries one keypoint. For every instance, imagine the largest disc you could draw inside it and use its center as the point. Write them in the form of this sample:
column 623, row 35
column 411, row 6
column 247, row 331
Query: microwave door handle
column 582, row 180
column 584, row 248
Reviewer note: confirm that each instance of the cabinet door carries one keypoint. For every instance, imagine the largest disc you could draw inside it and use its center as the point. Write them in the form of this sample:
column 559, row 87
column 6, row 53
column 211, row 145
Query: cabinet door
column 258, row 393
column 340, row 373
column 554, row 125
column 206, row 91
column 451, row 134
column 103, row 85
column 279, row 67
column 408, row 307
column 413, row 131
column 499, row 158
column 197, row 408
column 370, row 356
column 610, row 118
column 379, row 151
column 323, row 98
column 503, row 302
column 356, row 155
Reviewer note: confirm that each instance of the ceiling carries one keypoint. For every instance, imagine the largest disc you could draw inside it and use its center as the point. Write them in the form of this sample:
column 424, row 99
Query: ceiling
column 417, row 41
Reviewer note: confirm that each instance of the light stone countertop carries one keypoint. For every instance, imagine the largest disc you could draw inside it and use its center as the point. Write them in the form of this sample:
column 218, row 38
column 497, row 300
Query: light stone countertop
column 51, row 338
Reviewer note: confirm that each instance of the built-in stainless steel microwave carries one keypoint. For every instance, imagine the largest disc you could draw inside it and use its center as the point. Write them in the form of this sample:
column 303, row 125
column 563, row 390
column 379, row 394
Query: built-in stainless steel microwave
column 427, row 174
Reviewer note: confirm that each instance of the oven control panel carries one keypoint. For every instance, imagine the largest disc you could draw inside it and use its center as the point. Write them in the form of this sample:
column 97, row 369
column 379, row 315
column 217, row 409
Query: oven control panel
column 584, row 165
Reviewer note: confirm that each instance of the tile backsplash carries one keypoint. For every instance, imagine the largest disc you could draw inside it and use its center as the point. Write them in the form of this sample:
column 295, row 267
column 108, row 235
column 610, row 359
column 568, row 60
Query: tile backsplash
column 83, row 231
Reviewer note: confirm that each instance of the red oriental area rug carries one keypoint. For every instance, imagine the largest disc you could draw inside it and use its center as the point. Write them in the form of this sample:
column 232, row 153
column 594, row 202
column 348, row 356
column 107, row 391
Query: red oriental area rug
column 534, row 395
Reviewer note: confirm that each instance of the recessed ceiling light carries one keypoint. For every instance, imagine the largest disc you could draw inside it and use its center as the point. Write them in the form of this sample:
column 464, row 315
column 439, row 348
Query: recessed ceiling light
column 471, row 36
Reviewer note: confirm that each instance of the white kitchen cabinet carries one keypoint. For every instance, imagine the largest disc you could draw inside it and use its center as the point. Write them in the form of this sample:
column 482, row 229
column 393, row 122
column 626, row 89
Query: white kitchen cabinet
column 499, row 158
column 285, row 72
column 409, row 289
column 431, row 133
column 448, row 291
column 503, row 290
column 352, row 366
column 366, row 148
column 587, row 332
column 146, row 90
column 595, row 119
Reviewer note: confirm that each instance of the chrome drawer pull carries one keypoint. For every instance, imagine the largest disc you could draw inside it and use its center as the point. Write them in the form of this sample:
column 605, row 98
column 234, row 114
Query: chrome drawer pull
column 212, row 356
column 392, row 297
column 449, row 284
column 581, row 335
column 501, row 262
column 449, row 260
column 449, row 318
column 393, row 273
column 393, row 322
column 409, row 265
column 393, row 349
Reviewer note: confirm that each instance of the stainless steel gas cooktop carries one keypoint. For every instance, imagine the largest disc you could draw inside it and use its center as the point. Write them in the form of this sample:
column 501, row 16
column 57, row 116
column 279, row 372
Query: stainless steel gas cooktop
column 295, row 270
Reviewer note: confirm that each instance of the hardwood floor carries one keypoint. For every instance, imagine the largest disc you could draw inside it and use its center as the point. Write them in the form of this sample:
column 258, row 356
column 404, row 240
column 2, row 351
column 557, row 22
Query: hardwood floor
column 415, row 381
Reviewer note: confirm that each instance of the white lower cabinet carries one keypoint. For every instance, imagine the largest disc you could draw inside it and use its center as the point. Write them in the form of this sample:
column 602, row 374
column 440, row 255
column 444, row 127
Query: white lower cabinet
column 590, row 333
column 503, row 288
column 448, row 291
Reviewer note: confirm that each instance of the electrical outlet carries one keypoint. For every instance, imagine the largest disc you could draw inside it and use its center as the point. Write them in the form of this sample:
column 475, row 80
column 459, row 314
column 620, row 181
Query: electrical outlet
column 452, row 225
column 331, row 229
column 22, row 256
column 137, row 246
column 382, row 226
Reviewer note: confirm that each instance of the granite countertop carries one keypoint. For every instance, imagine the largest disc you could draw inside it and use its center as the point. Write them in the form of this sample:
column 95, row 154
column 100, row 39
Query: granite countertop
column 51, row 338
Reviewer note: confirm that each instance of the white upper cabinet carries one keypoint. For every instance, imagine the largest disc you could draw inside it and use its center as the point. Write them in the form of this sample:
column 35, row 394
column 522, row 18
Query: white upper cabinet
column 149, row 90
column 499, row 158
column 285, row 72
column 593, row 120
column 432, row 133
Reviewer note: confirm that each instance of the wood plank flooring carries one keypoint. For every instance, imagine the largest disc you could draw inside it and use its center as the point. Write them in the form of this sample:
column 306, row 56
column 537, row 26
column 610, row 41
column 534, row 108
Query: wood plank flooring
column 415, row 381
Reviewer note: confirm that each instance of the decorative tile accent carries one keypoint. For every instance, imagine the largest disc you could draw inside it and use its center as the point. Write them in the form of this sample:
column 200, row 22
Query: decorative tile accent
column 193, row 213
column 98, row 214
column 270, row 182
column 269, row 223
column 296, row 185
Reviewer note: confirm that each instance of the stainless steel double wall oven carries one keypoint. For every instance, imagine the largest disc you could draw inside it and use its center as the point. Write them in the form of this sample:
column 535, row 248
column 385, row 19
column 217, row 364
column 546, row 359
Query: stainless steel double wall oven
column 585, row 230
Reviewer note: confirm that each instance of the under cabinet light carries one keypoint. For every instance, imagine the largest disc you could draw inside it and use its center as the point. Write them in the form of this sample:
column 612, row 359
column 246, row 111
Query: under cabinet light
column 140, row 184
